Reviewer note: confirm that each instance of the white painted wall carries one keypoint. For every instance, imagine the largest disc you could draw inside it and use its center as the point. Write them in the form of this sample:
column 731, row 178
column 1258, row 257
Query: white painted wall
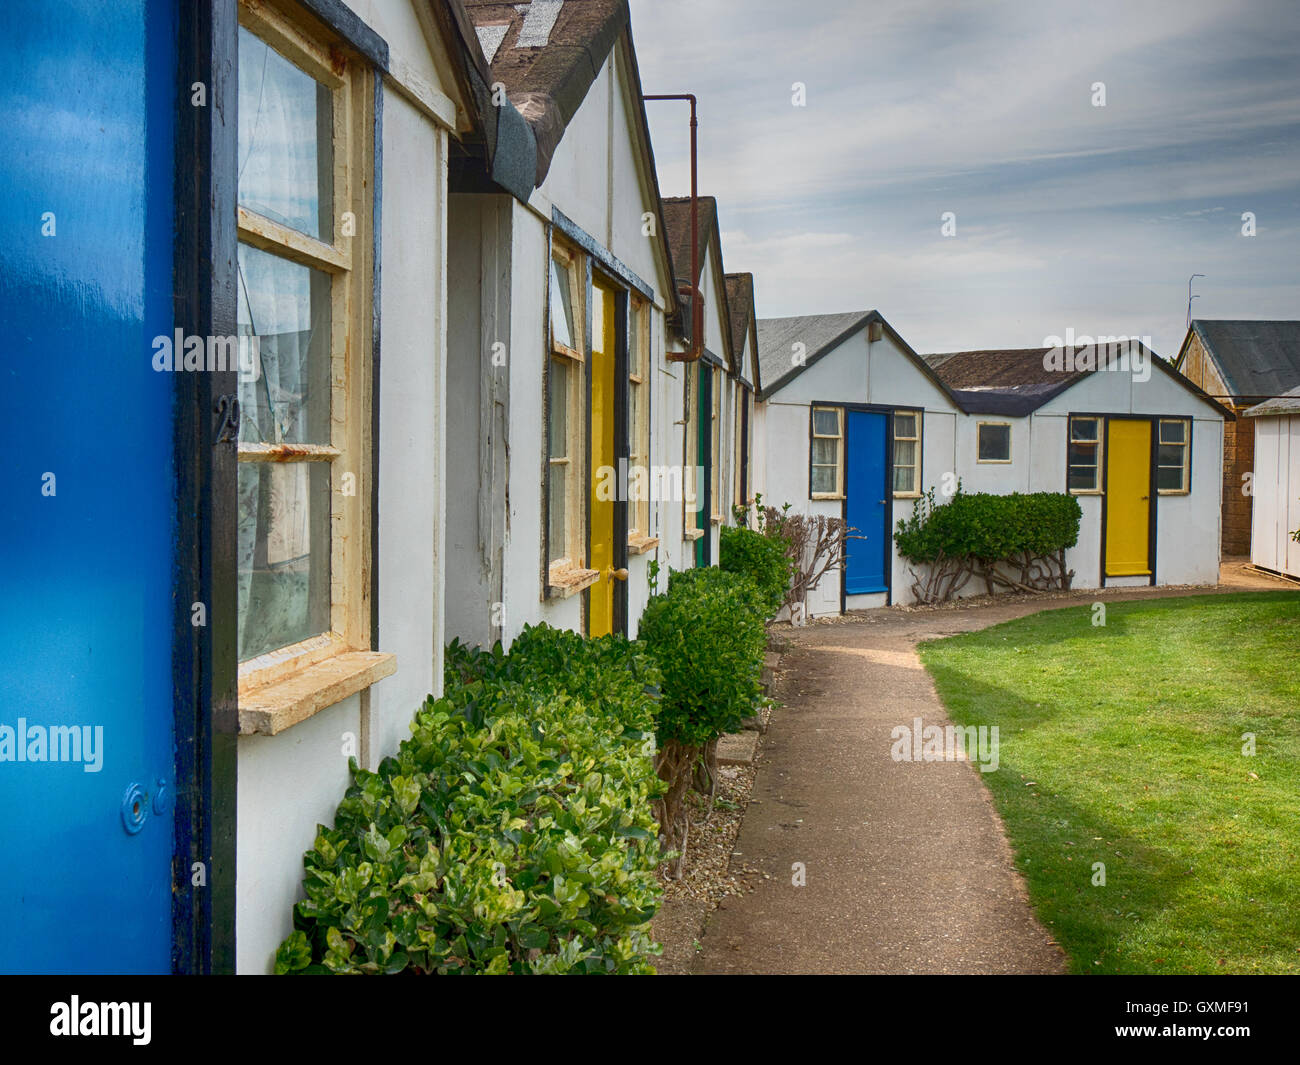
column 1187, row 540
column 1275, row 502
column 289, row 783
column 597, row 181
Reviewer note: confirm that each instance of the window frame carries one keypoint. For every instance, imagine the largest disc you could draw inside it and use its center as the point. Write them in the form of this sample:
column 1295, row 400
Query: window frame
column 565, row 568
column 348, row 263
column 717, row 385
column 1186, row 445
column 814, row 435
column 895, row 439
column 740, row 445
column 691, row 487
column 979, row 427
column 640, row 537
column 1100, row 466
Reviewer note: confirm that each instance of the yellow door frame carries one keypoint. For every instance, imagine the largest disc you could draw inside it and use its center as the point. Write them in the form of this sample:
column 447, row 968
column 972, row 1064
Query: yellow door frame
column 1129, row 497
column 606, row 548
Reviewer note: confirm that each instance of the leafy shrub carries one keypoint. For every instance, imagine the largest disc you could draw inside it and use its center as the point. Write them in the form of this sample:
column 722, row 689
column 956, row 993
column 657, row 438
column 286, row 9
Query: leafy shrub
column 613, row 673
column 707, row 634
column 989, row 527
column 762, row 559
column 512, row 833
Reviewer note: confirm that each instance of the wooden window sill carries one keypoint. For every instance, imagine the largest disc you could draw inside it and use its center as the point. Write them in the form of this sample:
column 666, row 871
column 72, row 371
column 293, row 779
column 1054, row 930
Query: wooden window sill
column 569, row 582
column 275, row 707
column 716, row 519
column 692, row 534
column 826, row 497
column 639, row 545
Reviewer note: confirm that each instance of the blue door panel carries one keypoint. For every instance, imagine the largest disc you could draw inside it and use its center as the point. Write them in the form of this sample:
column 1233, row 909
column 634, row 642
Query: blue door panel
column 88, row 91
column 866, row 506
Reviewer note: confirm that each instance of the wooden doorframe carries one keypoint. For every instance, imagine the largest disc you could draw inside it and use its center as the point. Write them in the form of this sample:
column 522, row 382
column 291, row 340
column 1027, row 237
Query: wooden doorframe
column 598, row 276
column 1153, row 421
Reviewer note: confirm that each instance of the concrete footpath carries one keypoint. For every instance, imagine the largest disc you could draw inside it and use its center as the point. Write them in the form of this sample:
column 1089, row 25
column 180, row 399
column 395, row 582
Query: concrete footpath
column 906, row 865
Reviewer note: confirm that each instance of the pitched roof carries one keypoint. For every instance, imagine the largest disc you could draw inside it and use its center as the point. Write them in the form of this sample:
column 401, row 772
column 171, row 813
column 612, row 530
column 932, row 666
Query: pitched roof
column 677, row 226
column 1254, row 358
column 1017, row 381
column 1012, row 381
column 820, row 334
column 1287, row 403
column 740, row 300
column 676, row 212
column 547, row 54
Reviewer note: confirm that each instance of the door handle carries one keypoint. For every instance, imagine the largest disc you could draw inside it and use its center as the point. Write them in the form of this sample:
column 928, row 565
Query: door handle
column 616, row 574
column 1145, row 498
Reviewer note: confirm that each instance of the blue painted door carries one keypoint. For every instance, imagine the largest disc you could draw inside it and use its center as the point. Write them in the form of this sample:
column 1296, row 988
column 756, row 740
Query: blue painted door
column 88, row 90
column 866, row 506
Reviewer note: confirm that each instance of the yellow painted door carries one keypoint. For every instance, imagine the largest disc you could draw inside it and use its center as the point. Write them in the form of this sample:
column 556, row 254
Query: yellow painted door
column 1128, row 498
column 600, row 615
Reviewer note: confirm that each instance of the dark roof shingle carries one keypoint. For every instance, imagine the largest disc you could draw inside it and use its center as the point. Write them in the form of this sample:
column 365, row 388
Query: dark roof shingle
column 740, row 301
column 1255, row 358
column 547, row 54
column 1012, row 381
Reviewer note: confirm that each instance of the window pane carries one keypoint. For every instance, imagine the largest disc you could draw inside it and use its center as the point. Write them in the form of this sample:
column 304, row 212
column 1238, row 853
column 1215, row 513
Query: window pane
column 823, row 479
column 562, row 325
column 1083, row 478
column 636, row 352
column 287, row 307
column 555, row 511
column 1169, row 478
column 826, row 422
column 558, row 425
column 286, row 131
column 1171, row 455
column 904, row 478
column 1083, row 428
column 904, row 425
column 995, row 443
column 905, row 452
column 633, row 417
column 1173, row 432
column 825, row 452
column 1082, row 454
column 284, row 554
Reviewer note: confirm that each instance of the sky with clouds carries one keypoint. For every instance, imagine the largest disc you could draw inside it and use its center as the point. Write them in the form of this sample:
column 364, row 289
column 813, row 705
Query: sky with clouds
column 1068, row 215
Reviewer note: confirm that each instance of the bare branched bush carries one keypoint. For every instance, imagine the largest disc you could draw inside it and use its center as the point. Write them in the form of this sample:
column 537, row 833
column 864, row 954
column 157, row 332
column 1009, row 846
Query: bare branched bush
column 815, row 544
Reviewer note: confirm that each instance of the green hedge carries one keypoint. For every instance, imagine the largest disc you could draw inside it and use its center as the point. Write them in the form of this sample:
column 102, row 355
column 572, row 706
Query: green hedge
column 512, row 833
column 707, row 634
column 989, row 527
column 762, row 559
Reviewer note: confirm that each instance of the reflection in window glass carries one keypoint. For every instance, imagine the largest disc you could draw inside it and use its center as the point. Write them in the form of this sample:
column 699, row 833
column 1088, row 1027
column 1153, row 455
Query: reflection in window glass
column 1172, row 466
column 287, row 307
column 1084, row 455
column 286, row 156
column 562, row 326
column 907, row 446
column 994, row 443
column 826, row 422
column 283, row 554
column 823, row 480
column 558, row 448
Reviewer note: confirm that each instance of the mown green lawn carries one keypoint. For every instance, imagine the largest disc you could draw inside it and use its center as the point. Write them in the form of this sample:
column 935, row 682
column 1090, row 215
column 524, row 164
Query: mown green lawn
column 1122, row 744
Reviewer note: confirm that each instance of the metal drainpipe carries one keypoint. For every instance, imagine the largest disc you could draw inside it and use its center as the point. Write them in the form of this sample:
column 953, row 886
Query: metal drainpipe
column 697, row 298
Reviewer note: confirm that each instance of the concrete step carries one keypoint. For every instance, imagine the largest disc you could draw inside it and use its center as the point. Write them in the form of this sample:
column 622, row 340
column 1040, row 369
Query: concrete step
column 738, row 748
